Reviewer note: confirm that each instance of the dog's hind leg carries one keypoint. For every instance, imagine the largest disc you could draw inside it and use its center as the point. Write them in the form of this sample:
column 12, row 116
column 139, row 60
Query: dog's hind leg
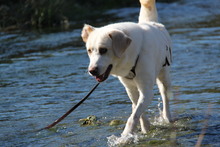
column 148, row 11
column 164, row 85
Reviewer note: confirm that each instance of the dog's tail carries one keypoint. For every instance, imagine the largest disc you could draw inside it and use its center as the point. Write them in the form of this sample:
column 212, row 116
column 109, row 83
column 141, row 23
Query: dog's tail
column 148, row 11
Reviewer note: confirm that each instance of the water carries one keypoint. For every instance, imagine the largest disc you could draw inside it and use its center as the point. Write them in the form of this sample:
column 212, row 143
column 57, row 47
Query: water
column 43, row 74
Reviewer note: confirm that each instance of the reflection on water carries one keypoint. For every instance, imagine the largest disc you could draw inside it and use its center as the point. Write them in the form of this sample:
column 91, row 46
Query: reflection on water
column 45, row 74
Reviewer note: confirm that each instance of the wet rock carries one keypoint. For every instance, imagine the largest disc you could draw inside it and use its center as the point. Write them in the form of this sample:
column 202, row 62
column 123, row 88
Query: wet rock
column 89, row 121
column 116, row 122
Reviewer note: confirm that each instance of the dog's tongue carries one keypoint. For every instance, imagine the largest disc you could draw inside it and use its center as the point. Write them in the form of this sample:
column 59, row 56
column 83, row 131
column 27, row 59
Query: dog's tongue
column 99, row 78
column 105, row 75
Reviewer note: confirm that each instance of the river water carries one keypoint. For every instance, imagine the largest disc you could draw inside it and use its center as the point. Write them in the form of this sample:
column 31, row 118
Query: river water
column 44, row 73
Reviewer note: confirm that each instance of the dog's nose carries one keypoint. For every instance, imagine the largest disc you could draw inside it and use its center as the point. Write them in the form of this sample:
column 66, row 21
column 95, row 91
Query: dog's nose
column 94, row 71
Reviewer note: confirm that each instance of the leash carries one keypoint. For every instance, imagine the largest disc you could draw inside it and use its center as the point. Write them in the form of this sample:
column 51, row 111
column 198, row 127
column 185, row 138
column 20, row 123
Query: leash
column 71, row 110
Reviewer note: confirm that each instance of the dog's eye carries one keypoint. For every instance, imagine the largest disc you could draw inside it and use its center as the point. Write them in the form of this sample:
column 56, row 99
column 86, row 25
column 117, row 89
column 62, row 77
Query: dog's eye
column 89, row 51
column 103, row 50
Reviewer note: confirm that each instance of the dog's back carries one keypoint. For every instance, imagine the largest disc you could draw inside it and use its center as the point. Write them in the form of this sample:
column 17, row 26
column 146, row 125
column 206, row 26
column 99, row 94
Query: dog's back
column 148, row 15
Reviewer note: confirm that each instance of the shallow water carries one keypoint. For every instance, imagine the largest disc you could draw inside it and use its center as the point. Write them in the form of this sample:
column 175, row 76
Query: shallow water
column 43, row 74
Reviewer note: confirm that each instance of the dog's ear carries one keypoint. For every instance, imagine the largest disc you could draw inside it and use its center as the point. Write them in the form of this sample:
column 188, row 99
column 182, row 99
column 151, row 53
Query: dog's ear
column 120, row 42
column 87, row 29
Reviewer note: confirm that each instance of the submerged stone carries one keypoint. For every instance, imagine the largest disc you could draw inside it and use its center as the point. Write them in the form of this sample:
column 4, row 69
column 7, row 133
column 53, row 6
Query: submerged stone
column 90, row 120
column 116, row 122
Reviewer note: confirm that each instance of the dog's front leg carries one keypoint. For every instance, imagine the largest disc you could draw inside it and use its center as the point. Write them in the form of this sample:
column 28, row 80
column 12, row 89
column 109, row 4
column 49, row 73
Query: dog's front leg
column 133, row 93
column 145, row 97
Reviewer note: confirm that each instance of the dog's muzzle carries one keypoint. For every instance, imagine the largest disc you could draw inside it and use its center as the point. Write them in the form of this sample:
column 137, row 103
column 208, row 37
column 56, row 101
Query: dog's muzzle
column 100, row 78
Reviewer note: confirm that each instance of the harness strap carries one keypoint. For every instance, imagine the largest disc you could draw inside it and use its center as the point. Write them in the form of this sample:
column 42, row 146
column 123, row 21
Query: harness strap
column 132, row 72
column 166, row 62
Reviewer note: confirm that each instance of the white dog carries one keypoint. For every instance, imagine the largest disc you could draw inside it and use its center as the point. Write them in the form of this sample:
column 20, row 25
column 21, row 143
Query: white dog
column 139, row 54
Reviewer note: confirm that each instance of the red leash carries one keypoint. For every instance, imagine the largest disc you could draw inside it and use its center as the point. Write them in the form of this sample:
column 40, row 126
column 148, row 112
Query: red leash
column 71, row 110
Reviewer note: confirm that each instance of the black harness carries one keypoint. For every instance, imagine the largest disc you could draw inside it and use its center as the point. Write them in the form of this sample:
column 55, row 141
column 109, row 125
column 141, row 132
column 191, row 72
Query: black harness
column 132, row 72
column 167, row 63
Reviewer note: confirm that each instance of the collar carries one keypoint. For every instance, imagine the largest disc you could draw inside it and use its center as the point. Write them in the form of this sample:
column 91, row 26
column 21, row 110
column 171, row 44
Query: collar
column 132, row 72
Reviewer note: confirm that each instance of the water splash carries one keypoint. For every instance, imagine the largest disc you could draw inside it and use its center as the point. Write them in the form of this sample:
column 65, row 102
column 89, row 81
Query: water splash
column 158, row 119
column 114, row 141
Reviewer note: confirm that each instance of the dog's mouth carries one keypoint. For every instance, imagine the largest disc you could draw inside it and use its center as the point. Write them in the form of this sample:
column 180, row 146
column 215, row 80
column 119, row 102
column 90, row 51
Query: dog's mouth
column 105, row 75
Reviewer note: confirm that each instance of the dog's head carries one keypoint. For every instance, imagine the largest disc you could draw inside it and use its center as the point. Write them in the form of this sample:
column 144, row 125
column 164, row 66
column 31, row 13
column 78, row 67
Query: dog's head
column 104, row 45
